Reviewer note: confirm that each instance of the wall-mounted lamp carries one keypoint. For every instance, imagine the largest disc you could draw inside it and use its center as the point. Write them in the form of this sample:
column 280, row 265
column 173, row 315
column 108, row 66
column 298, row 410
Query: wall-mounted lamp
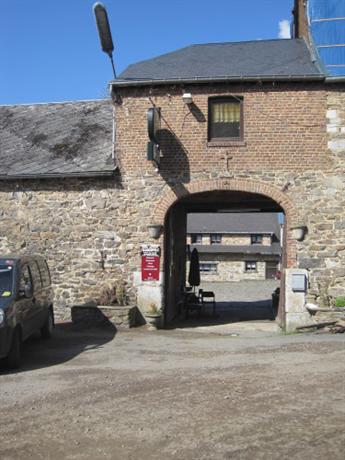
column 299, row 233
column 187, row 98
column 155, row 231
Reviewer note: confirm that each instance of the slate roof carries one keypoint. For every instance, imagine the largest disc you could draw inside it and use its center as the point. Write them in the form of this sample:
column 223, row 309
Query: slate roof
column 266, row 59
column 233, row 223
column 56, row 139
column 274, row 249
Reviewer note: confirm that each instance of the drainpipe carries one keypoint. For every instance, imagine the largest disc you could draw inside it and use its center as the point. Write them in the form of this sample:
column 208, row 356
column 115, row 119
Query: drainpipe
column 113, row 142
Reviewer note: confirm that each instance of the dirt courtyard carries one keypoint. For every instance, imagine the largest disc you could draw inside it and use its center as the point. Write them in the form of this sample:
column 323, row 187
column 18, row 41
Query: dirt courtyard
column 177, row 394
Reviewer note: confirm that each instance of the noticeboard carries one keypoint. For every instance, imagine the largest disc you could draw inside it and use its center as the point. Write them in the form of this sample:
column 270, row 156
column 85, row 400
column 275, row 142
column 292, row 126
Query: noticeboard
column 150, row 262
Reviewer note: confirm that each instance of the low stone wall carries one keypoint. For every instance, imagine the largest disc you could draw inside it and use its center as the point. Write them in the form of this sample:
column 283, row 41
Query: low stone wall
column 122, row 317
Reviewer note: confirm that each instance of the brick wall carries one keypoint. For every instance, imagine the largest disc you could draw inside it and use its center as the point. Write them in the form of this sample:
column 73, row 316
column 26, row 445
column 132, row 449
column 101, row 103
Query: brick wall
column 283, row 130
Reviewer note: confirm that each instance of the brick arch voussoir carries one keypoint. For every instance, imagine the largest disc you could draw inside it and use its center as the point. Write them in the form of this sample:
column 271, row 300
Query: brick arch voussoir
column 244, row 185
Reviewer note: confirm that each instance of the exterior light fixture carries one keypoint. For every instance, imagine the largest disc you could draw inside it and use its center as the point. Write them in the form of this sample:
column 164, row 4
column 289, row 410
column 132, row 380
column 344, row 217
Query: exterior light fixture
column 187, row 98
column 155, row 230
column 298, row 233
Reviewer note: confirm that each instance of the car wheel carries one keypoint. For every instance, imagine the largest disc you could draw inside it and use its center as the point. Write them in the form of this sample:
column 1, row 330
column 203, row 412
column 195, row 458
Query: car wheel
column 13, row 357
column 47, row 328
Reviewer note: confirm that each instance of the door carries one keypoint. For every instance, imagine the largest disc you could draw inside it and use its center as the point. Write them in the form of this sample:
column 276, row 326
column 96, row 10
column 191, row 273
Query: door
column 271, row 269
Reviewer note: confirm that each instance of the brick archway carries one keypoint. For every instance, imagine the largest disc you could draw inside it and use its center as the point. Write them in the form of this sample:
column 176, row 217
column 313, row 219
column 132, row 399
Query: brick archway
column 173, row 195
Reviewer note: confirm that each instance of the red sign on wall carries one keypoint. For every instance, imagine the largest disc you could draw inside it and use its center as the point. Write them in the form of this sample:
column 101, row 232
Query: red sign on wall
column 150, row 259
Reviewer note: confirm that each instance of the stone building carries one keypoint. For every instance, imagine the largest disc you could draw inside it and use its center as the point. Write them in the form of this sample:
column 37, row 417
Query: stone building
column 235, row 246
column 240, row 125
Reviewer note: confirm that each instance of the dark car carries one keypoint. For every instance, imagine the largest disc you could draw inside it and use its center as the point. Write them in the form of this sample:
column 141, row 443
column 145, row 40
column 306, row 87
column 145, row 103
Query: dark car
column 26, row 303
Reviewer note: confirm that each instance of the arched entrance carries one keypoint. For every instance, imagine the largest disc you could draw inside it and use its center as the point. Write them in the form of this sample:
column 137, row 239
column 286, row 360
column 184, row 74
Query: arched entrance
column 214, row 196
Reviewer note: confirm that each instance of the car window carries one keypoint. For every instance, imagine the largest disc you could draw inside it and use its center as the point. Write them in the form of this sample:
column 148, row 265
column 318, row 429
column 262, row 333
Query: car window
column 36, row 277
column 25, row 278
column 6, row 279
column 45, row 275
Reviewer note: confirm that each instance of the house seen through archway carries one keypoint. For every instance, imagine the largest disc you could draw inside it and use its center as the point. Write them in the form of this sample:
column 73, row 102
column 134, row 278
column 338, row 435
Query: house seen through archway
column 239, row 240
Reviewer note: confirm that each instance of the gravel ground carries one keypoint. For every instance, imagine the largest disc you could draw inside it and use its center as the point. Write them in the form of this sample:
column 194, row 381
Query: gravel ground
column 177, row 394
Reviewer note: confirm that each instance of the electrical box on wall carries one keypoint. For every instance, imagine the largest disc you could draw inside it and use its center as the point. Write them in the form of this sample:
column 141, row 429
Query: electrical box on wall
column 299, row 282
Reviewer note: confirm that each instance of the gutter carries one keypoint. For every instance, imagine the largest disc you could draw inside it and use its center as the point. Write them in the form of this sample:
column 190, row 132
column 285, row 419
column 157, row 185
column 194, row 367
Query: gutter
column 152, row 82
column 58, row 175
column 339, row 79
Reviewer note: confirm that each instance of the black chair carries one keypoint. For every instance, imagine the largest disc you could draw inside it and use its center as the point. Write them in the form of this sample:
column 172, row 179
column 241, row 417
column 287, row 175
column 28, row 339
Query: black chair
column 191, row 302
column 207, row 298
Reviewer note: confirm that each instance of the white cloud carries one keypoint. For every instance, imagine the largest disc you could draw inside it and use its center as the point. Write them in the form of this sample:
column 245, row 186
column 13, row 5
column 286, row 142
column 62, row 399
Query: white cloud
column 284, row 29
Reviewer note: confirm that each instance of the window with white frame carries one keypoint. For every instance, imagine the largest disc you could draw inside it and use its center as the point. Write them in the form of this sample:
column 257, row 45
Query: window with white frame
column 196, row 238
column 216, row 238
column 256, row 239
column 250, row 266
column 208, row 267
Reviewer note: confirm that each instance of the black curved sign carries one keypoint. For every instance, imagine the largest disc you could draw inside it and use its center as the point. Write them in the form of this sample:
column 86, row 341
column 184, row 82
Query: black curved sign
column 153, row 124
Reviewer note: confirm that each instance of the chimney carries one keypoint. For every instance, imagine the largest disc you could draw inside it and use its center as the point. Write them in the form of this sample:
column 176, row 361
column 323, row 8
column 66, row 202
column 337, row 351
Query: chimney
column 301, row 29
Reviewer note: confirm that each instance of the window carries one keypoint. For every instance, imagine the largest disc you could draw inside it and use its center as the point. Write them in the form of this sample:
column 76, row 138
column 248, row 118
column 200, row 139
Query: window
column 196, row 238
column 256, row 239
column 208, row 267
column 250, row 266
column 25, row 281
column 45, row 275
column 36, row 277
column 216, row 238
column 225, row 119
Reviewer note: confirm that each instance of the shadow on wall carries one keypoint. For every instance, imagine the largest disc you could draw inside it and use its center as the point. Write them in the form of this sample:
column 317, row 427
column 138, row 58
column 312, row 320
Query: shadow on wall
column 68, row 341
column 174, row 161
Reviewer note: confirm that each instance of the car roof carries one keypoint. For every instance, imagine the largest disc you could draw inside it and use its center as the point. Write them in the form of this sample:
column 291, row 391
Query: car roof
column 22, row 258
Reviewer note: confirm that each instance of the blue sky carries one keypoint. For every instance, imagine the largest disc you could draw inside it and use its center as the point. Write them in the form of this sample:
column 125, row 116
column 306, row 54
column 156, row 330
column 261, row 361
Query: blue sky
column 50, row 51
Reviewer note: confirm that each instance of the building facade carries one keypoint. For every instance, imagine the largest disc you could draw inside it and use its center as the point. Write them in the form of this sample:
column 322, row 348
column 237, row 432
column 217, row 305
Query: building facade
column 76, row 184
column 235, row 246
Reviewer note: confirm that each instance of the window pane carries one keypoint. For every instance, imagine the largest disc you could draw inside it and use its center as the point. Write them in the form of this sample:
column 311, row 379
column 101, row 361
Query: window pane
column 196, row 238
column 36, row 277
column 216, row 238
column 225, row 119
column 256, row 239
column 250, row 266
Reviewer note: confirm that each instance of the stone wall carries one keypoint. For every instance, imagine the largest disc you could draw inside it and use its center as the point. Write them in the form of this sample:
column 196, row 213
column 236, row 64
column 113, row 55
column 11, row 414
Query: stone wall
column 91, row 230
column 232, row 240
column 231, row 267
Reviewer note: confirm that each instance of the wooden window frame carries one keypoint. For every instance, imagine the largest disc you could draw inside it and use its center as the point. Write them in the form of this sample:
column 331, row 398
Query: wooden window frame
column 225, row 140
